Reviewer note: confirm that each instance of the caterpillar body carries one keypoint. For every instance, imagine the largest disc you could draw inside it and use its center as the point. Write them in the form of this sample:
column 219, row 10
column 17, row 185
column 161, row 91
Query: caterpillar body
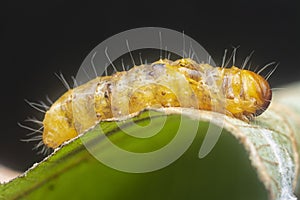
column 235, row 92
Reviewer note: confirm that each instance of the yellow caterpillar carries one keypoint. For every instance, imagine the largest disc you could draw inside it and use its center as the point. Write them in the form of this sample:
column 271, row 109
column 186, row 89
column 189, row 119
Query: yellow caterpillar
column 235, row 92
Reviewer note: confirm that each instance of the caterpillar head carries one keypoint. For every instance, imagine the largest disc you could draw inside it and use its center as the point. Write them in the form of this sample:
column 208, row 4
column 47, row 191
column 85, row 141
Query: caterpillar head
column 248, row 93
column 258, row 88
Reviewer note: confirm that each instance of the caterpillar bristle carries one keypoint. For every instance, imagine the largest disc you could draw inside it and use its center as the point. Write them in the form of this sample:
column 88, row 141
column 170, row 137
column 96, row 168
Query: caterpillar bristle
column 34, row 120
column 271, row 72
column 234, row 54
column 105, row 71
column 38, row 145
column 75, row 83
column 44, row 150
column 224, row 58
column 36, row 138
column 38, row 131
column 122, row 63
column 275, row 89
column 184, row 55
column 231, row 57
column 256, row 68
column 166, row 52
column 209, row 59
column 49, row 100
column 63, row 80
column 93, row 65
column 190, row 53
column 36, row 106
column 140, row 56
column 44, row 105
column 86, row 74
column 33, row 139
column 160, row 47
column 30, row 128
column 106, row 54
column 132, row 59
column 247, row 59
column 196, row 56
column 265, row 67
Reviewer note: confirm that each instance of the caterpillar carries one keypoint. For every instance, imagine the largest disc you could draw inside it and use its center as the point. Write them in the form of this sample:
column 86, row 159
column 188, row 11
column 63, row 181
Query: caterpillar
column 236, row 92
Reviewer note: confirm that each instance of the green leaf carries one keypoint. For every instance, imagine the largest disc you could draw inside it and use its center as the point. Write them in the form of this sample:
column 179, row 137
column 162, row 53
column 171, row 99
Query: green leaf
column 256, row 160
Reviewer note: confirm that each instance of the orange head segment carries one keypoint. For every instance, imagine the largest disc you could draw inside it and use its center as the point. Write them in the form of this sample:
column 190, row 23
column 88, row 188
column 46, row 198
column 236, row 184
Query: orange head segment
column 258, row 88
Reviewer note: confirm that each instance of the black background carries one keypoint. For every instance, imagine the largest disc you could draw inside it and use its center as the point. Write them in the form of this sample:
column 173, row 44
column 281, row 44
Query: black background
column 39, row 39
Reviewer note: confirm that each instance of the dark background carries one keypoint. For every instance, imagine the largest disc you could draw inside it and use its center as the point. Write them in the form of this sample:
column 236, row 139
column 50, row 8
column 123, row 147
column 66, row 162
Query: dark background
column 39, row 39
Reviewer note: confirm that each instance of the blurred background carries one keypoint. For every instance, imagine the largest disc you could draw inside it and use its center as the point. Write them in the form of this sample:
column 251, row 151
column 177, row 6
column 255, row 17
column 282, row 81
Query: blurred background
column 40, row 39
